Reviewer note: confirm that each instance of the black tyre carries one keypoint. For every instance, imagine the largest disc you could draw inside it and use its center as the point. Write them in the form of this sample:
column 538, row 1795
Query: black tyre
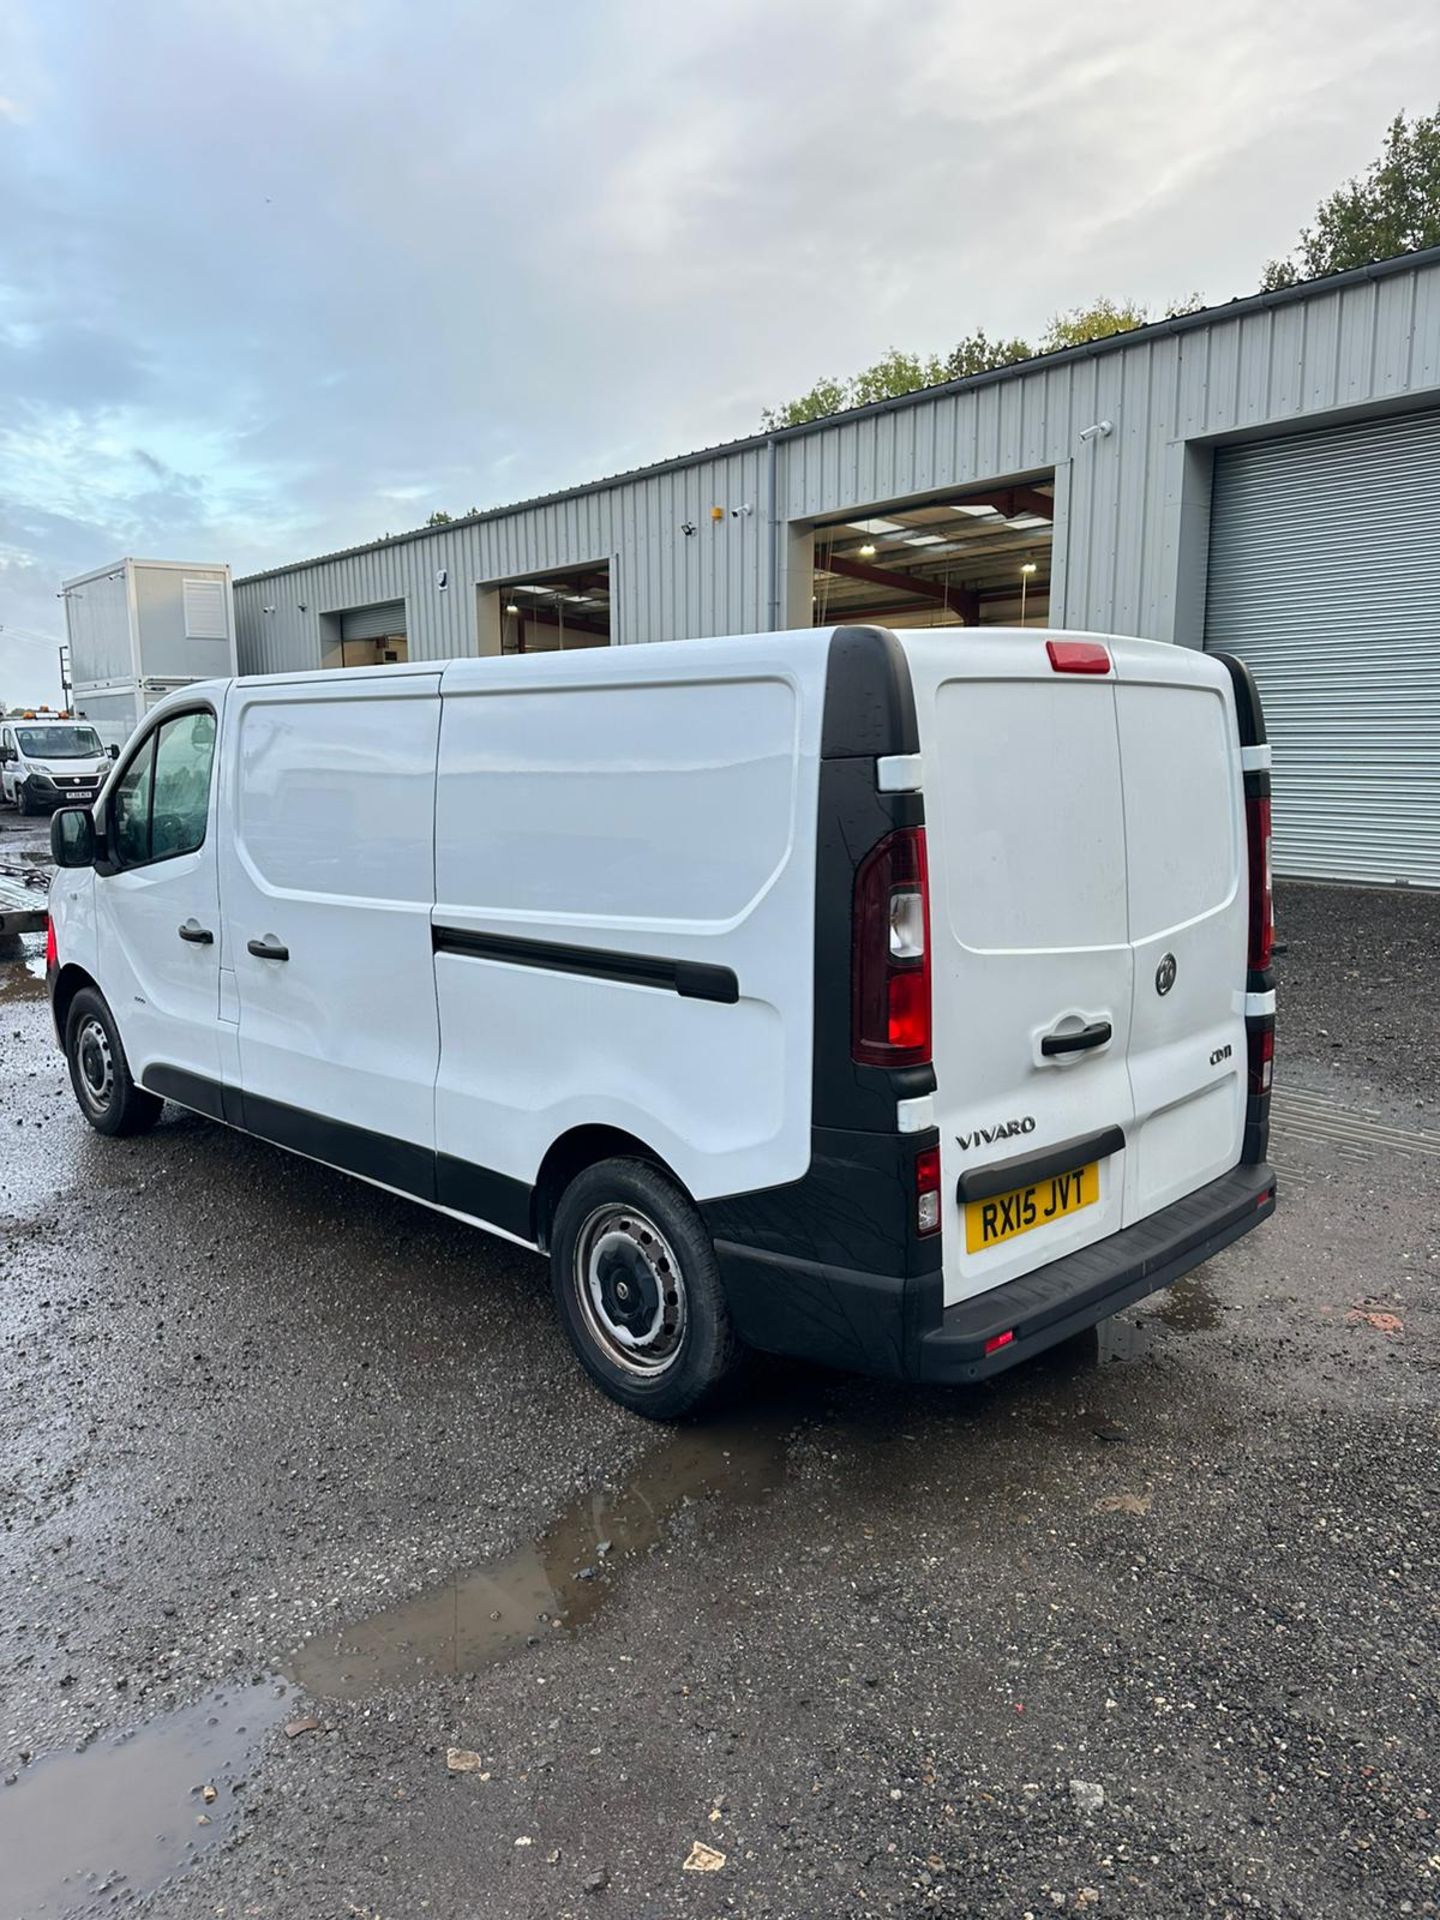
column 100, row 1073
column 639, row 1290
column 23, row 802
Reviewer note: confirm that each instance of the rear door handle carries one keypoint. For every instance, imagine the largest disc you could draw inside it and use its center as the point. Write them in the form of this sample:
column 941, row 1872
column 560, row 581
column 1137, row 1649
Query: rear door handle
column 268, row 949
column 198, row 936
column 1081, row 1041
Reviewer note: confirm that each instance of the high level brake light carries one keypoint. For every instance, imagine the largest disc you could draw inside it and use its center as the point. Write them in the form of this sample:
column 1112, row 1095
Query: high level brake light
column 1078, row 656
column 890, row 954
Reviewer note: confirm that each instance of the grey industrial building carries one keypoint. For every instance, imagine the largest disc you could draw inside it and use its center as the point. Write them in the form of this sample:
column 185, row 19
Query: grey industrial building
column 1262, row 477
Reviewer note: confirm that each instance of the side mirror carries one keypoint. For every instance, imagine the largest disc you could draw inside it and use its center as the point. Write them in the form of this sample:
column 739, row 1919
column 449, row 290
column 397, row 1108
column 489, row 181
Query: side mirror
column 114, row 753
column 72, row 837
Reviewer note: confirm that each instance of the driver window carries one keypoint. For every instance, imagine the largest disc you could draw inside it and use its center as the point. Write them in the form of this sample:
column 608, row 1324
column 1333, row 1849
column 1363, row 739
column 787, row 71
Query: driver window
column 130, row 810
column 160, row 802
column 184, row 750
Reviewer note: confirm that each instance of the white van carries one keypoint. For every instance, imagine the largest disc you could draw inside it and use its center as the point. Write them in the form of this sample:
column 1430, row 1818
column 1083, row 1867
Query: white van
column 47, row 763
column 900, row 1000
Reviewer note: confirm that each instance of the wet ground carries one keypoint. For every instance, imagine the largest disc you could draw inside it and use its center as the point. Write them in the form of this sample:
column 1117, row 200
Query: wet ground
column 328, row 1588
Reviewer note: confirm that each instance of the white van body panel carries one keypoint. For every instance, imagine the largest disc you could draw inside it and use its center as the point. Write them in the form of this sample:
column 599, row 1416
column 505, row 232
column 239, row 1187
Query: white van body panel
column 660, row 802
column 1187, row 889
column 1080, row 827
column 329, row 787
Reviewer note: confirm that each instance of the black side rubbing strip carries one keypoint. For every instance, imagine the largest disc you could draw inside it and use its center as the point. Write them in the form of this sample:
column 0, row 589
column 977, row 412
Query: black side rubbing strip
column 1003, row 1176
column 691, row 979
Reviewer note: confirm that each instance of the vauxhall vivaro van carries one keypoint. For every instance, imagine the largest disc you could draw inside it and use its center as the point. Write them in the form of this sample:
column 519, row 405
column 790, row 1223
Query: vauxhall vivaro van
column 901, row 1000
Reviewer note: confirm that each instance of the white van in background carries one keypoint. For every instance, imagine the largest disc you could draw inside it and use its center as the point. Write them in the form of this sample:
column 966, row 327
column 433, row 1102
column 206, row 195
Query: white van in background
column 47, row 763
column 900, row 1000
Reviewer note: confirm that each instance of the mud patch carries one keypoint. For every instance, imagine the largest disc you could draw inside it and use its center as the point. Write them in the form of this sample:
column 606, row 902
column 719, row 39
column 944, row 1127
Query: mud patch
column 98, row 1829
column 563, row 1579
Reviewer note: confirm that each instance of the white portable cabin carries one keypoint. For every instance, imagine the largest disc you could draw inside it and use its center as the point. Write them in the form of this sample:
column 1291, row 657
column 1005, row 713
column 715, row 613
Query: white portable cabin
column 138, row 629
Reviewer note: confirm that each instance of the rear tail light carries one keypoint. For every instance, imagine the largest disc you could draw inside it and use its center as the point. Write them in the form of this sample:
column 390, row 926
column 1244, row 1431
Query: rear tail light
column 52, row 952
column 927, row 1191
column 890, row 954
column 1262, row 899
column 1262, row 1058
column 999, row 1340
column 1078, row 656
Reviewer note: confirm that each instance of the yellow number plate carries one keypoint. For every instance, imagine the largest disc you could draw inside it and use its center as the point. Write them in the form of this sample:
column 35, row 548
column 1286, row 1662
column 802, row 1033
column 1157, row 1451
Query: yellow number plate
column 988, row 1222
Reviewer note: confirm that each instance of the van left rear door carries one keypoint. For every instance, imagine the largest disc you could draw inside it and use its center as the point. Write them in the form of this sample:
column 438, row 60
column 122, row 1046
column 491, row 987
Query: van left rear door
column 328, row 885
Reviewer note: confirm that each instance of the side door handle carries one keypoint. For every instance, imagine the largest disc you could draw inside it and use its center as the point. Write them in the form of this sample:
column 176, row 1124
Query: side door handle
column 267, row 949
column 1095, row 1035
column 196, row 934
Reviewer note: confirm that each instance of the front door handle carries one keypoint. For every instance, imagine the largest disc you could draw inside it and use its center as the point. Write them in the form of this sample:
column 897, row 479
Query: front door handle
column 196, row 934
column 268, row 949
column 1081, row 1041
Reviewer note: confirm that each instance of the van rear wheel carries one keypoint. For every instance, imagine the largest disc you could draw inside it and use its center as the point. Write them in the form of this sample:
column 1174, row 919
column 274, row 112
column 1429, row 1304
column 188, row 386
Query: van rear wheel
column 639, row 1291
column 99, row 1072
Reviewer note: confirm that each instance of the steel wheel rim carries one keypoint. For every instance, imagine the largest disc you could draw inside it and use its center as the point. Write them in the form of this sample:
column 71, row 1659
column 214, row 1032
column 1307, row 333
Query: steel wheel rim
column 95, row 1064
column 630, row 1290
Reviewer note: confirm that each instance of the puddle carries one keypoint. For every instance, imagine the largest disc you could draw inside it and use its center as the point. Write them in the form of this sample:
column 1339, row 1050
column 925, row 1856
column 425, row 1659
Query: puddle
column 1189, row 1306
column 22, row 977
column 99, row 1829
column 563, row 1579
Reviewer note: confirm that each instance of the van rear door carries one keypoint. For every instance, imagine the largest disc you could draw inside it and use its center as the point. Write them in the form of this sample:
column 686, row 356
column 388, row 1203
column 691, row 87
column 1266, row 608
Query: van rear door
column 1033, row 974
column 1188, row 905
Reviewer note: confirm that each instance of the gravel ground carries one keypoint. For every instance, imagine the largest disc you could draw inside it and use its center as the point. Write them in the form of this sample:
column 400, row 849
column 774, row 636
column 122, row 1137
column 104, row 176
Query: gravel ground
column 1358, row 987
column 1146, row 1628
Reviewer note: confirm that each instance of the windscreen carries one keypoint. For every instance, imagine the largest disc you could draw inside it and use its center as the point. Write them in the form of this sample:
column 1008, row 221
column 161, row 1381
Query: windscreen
column 59, row 743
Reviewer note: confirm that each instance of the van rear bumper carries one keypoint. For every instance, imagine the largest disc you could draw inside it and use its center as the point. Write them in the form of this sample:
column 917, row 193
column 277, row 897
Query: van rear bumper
column 1041, row 1308
column 899, row 1327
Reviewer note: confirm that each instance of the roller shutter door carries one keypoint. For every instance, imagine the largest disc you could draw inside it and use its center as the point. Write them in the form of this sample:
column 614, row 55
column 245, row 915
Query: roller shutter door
column 373, row 623
column 1325, row 580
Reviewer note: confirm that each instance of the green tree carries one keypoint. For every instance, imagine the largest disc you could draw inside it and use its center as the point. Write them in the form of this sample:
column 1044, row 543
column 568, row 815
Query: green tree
column 978, row 353
column 1394, row 207
column 901, row 372
column 1098, row 321
column 439, row 518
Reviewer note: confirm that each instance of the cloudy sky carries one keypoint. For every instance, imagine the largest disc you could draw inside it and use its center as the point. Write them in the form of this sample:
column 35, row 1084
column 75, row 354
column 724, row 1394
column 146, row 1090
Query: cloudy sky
column 281, row 275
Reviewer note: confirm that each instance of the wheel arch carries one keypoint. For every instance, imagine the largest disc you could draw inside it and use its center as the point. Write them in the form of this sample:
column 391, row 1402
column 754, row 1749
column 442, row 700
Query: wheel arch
column 68, row 982
column 584, row 1147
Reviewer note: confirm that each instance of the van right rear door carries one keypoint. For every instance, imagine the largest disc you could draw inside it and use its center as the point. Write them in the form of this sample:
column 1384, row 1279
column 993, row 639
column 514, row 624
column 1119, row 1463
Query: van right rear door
column 1032, row 966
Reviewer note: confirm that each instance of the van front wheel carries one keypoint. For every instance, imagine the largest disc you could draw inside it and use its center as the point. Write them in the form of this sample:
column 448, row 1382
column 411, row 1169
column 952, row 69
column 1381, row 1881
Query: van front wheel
column 100, row 1073
column 639, row 1290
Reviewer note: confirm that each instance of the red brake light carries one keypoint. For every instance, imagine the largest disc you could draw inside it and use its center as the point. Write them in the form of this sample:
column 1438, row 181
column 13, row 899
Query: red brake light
column 994, row 1344
column 1078, row 656
column 1262, row 898
column 52, row 953
column 890, row 954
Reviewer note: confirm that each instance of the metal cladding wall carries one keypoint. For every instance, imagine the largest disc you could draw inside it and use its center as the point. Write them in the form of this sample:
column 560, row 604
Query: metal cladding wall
column 1325, row 580
column 1132, row 506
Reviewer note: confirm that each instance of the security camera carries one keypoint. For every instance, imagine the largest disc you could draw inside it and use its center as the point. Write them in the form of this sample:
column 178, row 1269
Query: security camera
column 687, row 527
column 739, row 513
